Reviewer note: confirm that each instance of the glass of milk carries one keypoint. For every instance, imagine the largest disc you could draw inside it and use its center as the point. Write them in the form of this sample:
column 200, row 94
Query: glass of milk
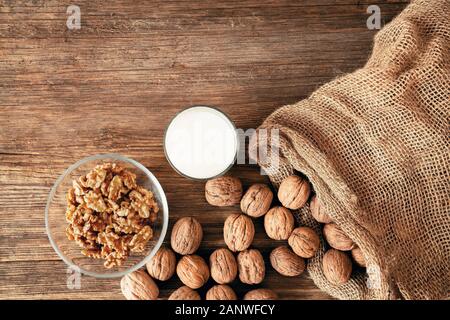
column 201, row 142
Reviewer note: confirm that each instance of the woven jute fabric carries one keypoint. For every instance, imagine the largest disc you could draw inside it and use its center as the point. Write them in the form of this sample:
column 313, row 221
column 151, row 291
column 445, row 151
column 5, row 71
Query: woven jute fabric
column 375, row 146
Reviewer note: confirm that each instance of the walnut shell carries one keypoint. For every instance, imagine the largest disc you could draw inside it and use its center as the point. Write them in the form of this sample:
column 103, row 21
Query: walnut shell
column 251, row 266
column 358, row 257
column 238, row 232
column 337, row 266
column 318, row 211
column 221, row 292
column 257, row 200
column 336, row 238
column 279, row 223
column 223, row 191
column 162, row 265
column 261, row 294
column 193, row 271
column 223, row 266
column 184, row 293
column 139, row 286
column 294, row 192
column 286, row 262
column 304, row 242
column 186, row 235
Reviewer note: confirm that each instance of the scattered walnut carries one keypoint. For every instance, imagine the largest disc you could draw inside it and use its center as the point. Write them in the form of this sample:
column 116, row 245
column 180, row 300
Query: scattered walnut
column 193, row 271
column 336, row 238
column 318, row 211
column 109, row 215
column 337, row 266
column 186, row 235
column 221, row 292
column 257, row 200
column 238, row 232
column 162, row 265
column 294, row 192
column 139, row 286
column 223, row 266
column 184, row 293
column 223, row 191
column 261, row 294
column 286, row 262
column 279, row 223
column 304, row 242
column 358, row 257
column 251, row 266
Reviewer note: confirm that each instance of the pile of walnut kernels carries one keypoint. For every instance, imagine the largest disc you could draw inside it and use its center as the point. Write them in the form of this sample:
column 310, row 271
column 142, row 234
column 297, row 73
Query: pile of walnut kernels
column 109, row 215
column 224, row 267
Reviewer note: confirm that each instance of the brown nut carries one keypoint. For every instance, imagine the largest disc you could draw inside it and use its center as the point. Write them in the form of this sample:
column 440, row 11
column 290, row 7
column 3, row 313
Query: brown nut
column 251, row 266
column 318, row 211
column 139, row 286
column 358, row 257
column 186, row 235
column 223, row 266
column 337, row 266
column 279, row 223
column 162, row 265
column 286, row 262
column 184, row 293
column 238, row 232
column 304, row 242
column 223, row 191
column 221, row 292
column 257, row 200
column 261, row 294
column 336, row 238
column 193, row 271
column 294, row 192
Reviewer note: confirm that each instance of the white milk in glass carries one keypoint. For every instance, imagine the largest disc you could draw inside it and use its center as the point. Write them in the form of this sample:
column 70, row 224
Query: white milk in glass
column 201, row 142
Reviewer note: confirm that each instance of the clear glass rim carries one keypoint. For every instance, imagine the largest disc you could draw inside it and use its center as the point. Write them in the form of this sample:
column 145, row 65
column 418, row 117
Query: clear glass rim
column 235, row 153
column 164, row 224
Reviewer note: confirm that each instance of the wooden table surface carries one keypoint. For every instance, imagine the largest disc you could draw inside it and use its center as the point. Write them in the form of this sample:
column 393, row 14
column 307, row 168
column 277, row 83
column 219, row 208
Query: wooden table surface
column 113, row 86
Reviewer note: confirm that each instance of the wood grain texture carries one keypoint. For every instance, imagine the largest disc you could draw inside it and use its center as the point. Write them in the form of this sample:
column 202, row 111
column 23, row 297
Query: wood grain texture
column 114, row 85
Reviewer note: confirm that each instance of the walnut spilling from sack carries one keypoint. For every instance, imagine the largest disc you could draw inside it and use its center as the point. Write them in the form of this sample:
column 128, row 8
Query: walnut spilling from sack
column 109, row 215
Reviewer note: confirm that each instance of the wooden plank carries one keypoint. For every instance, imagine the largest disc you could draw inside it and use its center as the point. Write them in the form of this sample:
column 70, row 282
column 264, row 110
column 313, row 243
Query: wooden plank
column 115, row 84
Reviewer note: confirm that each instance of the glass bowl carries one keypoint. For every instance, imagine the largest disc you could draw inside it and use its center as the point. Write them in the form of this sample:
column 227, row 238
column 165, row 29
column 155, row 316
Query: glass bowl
column 69, row 251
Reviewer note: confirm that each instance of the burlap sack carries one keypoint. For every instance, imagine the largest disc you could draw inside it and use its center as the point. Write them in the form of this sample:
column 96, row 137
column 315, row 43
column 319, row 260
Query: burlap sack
column 374, row 145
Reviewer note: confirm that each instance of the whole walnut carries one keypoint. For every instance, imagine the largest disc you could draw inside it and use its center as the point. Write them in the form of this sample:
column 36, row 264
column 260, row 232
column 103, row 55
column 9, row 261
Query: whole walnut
column 318, row 211
column 238, row 232
column 257, row 200
column 193, row 271
column 279, row 223
column 221, row 292
column 162, row 265
column 184, row 293
column 336, row 238
column 358, row 257
column 223, row 266
column 223, row 191
column 261, row 294
column 251, row 266
column 186, row 235
column 294, row 192
column 304, row 242
column 139, row 286
column 286, row 262
column 337, row 266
